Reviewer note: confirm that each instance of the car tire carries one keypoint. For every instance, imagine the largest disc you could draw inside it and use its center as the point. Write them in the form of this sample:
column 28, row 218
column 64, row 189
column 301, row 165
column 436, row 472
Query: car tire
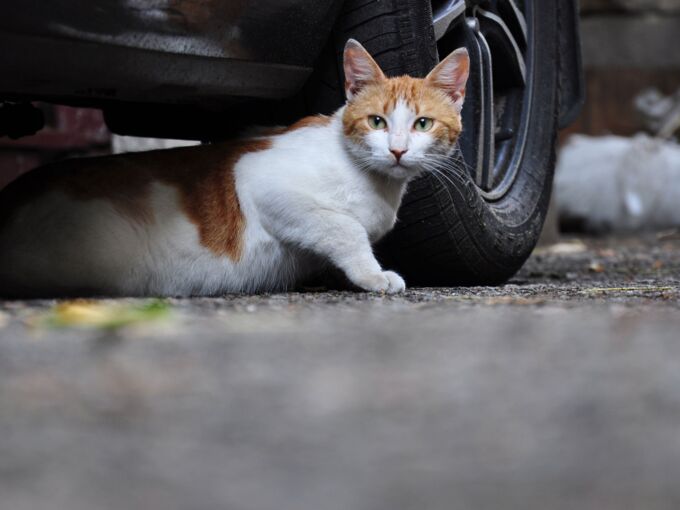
column 448, row 231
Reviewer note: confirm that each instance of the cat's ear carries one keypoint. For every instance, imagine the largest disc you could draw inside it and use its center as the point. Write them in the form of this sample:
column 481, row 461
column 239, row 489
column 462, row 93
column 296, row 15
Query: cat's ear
column 360, row 69
column 451, row 75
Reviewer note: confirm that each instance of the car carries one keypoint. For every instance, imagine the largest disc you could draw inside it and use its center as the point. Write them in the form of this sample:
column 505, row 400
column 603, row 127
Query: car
column 204, row 70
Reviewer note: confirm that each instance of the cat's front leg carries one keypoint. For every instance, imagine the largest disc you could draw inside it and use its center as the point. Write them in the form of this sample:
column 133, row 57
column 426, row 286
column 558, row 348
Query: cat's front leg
column 344, row 241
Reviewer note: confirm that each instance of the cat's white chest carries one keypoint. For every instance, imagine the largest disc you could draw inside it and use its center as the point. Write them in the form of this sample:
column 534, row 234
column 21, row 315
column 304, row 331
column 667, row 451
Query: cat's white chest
column 373, row 211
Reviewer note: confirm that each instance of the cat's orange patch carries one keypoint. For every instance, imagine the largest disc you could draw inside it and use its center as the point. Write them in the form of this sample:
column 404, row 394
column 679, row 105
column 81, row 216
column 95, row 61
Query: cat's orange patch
column 382, row 97
column 211, row 201
column 312, row 121
column 203, row 177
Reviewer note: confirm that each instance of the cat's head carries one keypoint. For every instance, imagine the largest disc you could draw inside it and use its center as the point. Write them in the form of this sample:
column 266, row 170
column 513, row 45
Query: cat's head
column 398, row 126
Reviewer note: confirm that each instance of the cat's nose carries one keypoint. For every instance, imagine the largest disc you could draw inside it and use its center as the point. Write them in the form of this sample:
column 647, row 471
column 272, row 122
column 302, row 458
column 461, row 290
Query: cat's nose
column 398, row 153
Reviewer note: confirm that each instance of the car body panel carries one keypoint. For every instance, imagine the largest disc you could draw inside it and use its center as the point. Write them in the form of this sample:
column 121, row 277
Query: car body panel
column 158, row 51
column 192, row 60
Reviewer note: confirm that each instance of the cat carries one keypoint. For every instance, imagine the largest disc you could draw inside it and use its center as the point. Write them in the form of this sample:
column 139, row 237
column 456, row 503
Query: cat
column 254, row 214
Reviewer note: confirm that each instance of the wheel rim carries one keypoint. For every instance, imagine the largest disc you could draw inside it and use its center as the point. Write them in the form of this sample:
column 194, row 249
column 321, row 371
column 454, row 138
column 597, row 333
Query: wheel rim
column 498, row 36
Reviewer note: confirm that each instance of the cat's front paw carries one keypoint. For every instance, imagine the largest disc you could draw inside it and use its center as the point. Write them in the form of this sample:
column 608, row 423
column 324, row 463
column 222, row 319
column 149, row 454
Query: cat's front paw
column 384, row 281
column 397, row 283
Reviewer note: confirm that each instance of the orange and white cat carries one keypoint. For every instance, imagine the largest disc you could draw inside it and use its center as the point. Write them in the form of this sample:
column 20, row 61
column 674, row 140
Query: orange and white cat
column 249, row 215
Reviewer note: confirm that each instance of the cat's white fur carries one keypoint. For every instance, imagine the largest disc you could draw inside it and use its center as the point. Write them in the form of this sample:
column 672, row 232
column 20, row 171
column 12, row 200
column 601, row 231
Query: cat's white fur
column 310, row 199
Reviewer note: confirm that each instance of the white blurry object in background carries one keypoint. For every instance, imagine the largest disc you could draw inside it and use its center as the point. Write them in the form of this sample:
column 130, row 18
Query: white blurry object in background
column 121, row 144
column 661, row 114
column 618, row 183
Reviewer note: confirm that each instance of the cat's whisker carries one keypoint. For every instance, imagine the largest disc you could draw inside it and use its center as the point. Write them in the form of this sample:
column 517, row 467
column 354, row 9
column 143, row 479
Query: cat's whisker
column 434, row 168
column 436, row 174
column 436, row 171
column 448, row 163
column 449, row 169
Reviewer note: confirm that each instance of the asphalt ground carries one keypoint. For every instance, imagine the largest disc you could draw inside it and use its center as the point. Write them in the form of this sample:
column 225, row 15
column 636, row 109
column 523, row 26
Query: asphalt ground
column 559, row 390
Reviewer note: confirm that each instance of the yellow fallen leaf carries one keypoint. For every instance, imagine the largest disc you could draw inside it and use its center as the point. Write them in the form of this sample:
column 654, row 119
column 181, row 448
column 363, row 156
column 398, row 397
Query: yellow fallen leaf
column 104, row 314
column 83, row 312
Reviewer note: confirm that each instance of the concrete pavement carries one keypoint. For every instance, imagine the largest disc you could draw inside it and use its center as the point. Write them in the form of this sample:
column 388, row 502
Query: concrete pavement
column 557, row 391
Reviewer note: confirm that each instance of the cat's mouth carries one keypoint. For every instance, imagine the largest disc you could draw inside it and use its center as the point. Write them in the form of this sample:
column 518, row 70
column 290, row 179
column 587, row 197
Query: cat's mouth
column 401, row 170
column 408, row 167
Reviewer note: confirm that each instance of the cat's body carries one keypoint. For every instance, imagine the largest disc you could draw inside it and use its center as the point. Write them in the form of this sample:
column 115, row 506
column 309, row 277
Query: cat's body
column 249, row 215
column 151, row 243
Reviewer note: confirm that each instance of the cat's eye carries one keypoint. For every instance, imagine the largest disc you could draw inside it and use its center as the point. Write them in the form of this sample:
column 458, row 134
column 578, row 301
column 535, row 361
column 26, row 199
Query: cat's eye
column 376, row 122
column 423, row 124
